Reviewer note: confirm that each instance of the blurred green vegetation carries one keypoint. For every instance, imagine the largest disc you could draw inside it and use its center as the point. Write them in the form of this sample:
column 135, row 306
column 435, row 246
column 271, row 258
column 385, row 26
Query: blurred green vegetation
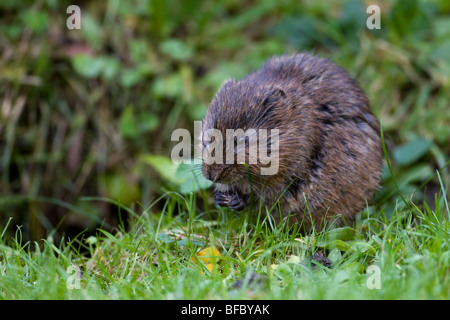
column 90, row 112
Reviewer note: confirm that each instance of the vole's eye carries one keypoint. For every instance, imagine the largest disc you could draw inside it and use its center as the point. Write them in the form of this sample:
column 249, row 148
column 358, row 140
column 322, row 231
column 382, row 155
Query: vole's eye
column 236, row 143
column 242, row 139
column 241, row 144
column 207, row 142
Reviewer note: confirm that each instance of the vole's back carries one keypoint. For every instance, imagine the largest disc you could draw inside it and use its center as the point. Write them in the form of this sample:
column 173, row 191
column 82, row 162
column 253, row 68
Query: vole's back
column 319, row 79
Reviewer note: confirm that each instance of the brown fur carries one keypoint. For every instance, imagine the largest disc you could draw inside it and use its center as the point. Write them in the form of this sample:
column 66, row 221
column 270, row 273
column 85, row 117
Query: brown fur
column 330, row 149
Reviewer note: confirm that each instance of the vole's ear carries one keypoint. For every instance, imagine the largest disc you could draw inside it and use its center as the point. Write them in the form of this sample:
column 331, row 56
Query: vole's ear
column 227, row 83
column 276, row 95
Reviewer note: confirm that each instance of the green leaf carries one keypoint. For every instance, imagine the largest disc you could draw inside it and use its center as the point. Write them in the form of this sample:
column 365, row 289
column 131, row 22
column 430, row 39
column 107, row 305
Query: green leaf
column 342, row 276
column 335, row 255
column 197, row 111
column 92, row 30
column 193, row 178
column 35, row 20
column 148, row 121
column 186, row 178
column 340, row 238
column 165, row 167
column 91, row 66
column 294, row 259
column 339, row 244
column 344, row 234
column 442, row 51
column 363, row 247
column 130, row 77
column 170, row 86
column 411, row 152
column 176, row 49
column 110, row 67
column 127, row 125
column 87, row 65
column 185, row 242
column 166, row 238
column 116, row 186
column 354, row 267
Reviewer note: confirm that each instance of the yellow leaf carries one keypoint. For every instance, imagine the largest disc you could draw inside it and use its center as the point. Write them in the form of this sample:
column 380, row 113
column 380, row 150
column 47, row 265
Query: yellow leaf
column 208, row 255
column 211, row 267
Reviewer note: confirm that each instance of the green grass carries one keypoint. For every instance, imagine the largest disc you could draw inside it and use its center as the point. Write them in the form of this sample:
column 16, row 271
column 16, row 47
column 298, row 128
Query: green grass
column 155, row 258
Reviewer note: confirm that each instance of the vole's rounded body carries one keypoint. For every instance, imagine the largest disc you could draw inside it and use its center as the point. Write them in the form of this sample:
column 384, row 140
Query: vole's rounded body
column 330, row 152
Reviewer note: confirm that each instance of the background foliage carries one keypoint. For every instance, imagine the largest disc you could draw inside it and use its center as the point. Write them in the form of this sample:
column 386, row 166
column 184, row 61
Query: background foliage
column 89, row 113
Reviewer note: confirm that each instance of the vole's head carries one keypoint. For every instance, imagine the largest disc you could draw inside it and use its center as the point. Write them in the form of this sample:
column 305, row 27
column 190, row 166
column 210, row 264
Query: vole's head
column 241, row 133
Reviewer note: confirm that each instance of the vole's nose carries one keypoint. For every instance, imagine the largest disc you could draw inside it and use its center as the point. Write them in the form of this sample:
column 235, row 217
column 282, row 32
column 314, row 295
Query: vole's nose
column 210, row 177
column 215, row 173
column 207, row 173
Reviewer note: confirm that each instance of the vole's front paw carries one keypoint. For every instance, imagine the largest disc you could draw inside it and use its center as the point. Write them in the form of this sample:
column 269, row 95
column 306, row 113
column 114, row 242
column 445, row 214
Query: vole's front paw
column 221, row 199
column 233, row 201
column 237, row 203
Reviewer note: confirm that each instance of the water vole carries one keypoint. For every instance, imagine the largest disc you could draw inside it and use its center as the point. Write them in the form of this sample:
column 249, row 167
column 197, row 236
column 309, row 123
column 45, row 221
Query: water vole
column 329, row 145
